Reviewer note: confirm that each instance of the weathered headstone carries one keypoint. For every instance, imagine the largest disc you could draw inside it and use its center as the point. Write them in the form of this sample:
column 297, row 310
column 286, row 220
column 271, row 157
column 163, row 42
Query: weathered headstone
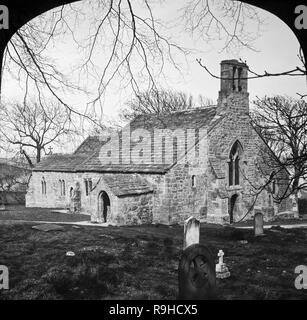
column 196, row 267
column 258, row 224
column 221, row 269
column 75, row 199
column 191, row 232
column 295, row 208
column 197, row 280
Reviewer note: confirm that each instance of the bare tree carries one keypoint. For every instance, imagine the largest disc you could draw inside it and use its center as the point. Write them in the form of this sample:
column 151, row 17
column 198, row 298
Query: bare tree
column 160, row 101
column 33, row 127
column 11, row 177
column 226, row 19
column 127, row 34
column 297, row 71
column 282, row 124
column 129, row 43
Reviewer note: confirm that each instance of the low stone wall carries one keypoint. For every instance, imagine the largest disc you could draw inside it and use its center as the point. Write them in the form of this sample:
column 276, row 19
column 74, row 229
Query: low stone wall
column 136, row 209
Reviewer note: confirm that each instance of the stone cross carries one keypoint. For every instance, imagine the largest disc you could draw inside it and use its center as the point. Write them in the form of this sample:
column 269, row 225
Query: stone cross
column 258, row 224
column 221, row 269
column 220, row 255
column 191, row 232
column 50, row 150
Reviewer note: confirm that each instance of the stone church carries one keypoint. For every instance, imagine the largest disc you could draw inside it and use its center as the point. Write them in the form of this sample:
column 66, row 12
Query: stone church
column 202, row 162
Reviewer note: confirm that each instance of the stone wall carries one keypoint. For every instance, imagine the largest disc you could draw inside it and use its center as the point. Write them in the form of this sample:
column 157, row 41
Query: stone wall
column 133, row 209
column 209, row 199
column 137, row 209
column 53, row 197
column 127, row 210
column 234, row 127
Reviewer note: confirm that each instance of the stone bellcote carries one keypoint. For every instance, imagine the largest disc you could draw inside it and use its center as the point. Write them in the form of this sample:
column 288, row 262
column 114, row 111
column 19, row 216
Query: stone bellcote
column 233, row 84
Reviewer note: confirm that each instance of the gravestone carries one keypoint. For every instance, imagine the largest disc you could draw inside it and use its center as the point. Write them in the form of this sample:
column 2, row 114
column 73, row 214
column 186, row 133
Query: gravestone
column 197, row 280
column 221, row 269
column 191, row 232
column 48, row 227
column 258, row 224
column 295, row 208
column 75, row 199
column 196, row 274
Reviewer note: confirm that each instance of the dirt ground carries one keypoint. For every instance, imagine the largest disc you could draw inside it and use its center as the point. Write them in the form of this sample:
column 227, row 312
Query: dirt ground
column 141, row 262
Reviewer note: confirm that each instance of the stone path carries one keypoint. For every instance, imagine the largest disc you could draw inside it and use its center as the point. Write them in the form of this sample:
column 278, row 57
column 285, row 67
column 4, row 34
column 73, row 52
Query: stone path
column 107, row 224
column 286, row 226
column 80, row 223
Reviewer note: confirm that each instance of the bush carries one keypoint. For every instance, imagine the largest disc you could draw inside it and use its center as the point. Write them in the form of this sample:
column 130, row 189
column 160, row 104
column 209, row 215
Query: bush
column 302, row 205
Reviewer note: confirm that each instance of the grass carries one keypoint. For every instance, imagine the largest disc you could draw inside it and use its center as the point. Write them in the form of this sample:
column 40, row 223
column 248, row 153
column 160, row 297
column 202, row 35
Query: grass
column 278, row 221
column 39, row 214
column 141, row 262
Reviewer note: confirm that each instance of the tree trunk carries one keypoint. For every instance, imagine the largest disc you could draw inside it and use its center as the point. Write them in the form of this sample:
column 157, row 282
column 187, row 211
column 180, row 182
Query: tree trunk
column 28, row 158
column 38, row 155
column 296, row 190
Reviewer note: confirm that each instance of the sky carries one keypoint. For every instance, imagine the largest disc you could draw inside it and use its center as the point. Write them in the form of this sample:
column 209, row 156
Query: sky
column 276, row 51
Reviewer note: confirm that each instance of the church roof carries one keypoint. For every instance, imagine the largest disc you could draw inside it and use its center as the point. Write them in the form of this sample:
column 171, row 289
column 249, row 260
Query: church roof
column 60, row 162
column 90, row 144
column 86, row 157
column 187, row 119
column 127, row 184
column 94, row 164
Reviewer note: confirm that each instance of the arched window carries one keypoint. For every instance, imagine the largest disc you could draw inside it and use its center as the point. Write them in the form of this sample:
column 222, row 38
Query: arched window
column 240, row 70
column 71, row 192
column 234, row 70
column 273, row 185
column 43, row 183
column 62, row 187
column 193, row 181
column 234, row 164
column 270, row 200
column 88, row 186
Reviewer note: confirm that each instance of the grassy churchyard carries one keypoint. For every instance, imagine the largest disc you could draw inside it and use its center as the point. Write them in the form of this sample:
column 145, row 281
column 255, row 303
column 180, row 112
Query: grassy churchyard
column 141, row 262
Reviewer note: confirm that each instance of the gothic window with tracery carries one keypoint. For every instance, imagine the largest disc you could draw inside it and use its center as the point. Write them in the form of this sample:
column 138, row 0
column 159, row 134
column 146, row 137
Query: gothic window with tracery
column 234, row 164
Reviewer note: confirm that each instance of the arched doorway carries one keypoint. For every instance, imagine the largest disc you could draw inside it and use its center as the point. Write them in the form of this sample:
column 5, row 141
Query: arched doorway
column 104, row 206
column 232, row 206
